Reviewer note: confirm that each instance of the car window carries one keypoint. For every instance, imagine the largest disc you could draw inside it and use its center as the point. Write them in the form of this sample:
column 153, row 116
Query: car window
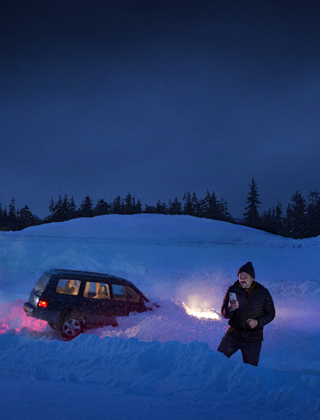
column 125, row 293
column 41, row 284
column 96, row 290
column 68, row 287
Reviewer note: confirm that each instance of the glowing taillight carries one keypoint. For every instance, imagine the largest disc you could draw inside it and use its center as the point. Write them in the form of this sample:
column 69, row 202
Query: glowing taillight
column 43, row 303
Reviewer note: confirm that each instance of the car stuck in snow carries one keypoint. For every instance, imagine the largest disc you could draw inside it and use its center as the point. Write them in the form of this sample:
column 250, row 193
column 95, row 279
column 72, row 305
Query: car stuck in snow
column 72, row 301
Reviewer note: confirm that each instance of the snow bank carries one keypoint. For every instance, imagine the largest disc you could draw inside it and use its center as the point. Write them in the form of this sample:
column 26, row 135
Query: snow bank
column 164, row 361
column 190, row 372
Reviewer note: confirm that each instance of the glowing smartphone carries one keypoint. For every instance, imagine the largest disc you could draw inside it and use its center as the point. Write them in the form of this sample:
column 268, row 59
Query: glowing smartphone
column 233, row 297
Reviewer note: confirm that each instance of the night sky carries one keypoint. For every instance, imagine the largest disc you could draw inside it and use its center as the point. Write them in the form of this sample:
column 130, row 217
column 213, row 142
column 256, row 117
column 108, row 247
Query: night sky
column 155, row 98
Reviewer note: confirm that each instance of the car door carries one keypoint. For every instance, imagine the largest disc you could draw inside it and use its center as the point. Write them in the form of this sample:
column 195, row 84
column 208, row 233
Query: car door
column 126, row 300
column 97, row 304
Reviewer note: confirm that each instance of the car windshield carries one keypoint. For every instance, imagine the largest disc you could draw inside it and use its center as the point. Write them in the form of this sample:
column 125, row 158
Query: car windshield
column 41, row 284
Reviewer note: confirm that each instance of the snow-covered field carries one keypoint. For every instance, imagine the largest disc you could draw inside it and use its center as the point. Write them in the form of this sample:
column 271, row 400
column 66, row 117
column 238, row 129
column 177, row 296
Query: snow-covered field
column 161, row 364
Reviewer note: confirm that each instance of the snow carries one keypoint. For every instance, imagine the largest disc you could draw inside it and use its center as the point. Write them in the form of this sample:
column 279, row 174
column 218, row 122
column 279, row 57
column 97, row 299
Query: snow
column 164, row 363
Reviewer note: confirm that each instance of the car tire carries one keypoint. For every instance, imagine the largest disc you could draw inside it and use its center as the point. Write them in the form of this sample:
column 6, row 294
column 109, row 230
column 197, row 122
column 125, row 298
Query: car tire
column 70, row 325
column 114, row 322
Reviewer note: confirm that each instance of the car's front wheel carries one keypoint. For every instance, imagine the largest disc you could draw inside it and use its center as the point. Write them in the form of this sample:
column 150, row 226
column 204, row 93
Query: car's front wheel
column 70, row 325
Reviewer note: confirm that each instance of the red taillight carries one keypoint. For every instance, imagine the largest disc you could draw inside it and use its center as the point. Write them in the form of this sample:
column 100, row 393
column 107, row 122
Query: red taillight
column 43, row 303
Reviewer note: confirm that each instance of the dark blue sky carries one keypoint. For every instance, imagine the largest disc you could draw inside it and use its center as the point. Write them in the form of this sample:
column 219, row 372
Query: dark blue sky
column 155, row 97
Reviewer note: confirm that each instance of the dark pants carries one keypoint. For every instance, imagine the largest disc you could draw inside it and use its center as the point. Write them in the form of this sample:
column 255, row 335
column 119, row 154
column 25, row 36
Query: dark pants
column 250, row 351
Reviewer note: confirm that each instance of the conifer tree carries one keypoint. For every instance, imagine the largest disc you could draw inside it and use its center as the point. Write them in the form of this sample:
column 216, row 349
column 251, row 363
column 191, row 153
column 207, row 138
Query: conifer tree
column 25, row 218
column 5, row 217
column 187, row 206
column 150, row 209
column 252, row 215
column 174, row 207
column 223, row 211
column 101, row 208
column 12, row 216
column 129, row 204
column 86, row 209
column 2, row 218
column 51, row 209
column 161, row 208
column 60, row 211
column 72, row 208
column 195, row 205
column 123, row 207
column 116, row 205
column 287, row 222
column 138, row 206
column 208, row 205
column 297, row 216
column 313, row 215
column 65, row 208
column 278, row 219
column 177, row 206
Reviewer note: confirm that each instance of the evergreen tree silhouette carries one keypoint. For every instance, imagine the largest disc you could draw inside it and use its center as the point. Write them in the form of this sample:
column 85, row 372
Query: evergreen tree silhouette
column 313, row 215
column 252, row 215
column 102, row 207
column 86, row 209
column 297, row 216
column 12, row 216
column 25, row 218
column 116, row 205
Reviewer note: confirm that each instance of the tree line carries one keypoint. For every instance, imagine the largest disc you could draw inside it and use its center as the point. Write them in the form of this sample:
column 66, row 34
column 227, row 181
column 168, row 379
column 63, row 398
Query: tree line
column 209, row 207
column 300, row 220
column 65, row 209
column 14, row 219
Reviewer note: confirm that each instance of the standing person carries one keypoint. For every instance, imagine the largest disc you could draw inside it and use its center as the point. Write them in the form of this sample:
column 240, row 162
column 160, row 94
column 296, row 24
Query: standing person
column 249, row 307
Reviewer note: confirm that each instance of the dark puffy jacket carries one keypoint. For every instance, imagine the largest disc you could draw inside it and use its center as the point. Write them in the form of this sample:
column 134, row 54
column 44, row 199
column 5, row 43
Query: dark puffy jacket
column 256, row 305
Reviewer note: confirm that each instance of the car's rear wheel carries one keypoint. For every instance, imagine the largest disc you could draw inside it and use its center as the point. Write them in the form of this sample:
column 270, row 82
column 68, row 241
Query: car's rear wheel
column 70, row 325
column 114, row 322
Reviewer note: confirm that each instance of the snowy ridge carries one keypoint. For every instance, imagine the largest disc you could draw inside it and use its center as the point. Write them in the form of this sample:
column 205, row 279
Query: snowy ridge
column 142, row 227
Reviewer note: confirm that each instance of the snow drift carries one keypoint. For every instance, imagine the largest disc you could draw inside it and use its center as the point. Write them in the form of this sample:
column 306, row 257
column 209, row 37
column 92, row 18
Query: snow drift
column 162, row 363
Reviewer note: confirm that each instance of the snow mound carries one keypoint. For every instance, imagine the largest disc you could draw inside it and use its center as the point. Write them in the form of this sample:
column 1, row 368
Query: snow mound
column 190, row 372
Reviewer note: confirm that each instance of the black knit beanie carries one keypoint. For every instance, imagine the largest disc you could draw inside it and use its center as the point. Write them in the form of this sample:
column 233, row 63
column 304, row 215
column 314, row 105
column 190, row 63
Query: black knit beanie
column 247, row 268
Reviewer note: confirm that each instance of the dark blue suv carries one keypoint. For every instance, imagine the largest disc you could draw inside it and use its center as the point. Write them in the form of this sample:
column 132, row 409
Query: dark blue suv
column 71, row 301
